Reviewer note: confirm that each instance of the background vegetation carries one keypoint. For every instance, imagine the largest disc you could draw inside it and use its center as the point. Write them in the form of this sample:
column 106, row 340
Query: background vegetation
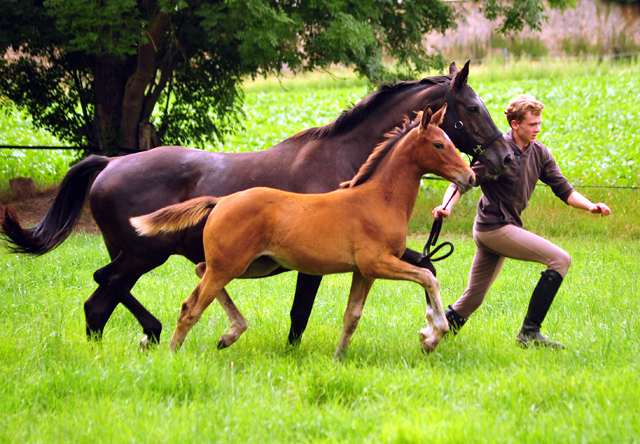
column 476, row 387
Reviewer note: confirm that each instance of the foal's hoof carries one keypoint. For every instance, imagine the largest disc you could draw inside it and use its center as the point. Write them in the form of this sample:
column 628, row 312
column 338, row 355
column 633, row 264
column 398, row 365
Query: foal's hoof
column 429, row 343
column 222, row 343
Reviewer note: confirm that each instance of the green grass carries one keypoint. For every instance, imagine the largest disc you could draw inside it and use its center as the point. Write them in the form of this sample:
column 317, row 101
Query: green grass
column 476, row 387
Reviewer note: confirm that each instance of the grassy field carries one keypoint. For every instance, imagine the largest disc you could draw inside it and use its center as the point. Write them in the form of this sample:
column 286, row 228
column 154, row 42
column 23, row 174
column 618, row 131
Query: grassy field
column 476, row 387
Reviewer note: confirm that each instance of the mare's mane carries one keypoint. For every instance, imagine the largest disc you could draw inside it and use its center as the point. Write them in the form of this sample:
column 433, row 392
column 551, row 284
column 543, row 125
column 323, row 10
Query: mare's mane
column 349, row 118
column 380, row 152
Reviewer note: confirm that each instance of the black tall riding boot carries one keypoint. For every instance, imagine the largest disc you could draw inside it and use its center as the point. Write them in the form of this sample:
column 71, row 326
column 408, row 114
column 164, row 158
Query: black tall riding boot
column 454, row 319
column 539, row 305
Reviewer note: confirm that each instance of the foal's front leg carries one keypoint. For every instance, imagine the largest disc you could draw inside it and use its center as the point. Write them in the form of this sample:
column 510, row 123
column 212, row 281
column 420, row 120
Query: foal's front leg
column 360, row 287
column 390, row 267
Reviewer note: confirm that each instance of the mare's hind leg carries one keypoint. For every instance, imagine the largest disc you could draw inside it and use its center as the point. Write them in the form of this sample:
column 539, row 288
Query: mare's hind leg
column 360, row 287
column 114, row 284
column 390, row 267
column 101, row 304
column 306, row 291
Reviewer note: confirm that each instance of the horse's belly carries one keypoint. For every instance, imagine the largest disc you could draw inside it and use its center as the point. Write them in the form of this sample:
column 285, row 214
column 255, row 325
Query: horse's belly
column 317, row 264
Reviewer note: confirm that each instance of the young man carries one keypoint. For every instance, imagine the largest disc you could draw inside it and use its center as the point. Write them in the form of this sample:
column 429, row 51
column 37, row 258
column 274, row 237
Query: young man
column 498, row 231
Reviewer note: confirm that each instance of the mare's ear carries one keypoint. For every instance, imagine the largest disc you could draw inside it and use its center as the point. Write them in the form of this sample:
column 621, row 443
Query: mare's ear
column 438, row 117
column 426, row 117
column 462, row 76
column 453, row 68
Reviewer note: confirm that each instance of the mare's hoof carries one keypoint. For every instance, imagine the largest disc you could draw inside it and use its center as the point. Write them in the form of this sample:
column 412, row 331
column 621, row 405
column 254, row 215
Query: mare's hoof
column 94, row 335
column 147, row 344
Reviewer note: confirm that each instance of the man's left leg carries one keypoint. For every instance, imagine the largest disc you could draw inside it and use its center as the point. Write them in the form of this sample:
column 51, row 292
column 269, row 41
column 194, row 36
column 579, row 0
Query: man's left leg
column 527, row 246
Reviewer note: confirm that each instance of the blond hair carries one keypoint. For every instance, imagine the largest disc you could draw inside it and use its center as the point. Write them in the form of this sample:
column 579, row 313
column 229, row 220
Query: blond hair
column 520, row 105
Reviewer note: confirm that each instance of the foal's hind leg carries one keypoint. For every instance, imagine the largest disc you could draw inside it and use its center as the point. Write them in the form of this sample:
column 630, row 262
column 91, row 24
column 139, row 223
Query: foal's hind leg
column 360, row 287
column 238, row 322
column 192, row 308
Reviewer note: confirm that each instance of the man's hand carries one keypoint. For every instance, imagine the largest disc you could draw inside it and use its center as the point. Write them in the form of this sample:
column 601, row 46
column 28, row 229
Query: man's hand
column 599, row 208
column 440, row 210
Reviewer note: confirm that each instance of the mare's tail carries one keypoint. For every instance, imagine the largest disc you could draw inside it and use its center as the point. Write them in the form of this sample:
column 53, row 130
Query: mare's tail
column 62, row 216
column 174, row 217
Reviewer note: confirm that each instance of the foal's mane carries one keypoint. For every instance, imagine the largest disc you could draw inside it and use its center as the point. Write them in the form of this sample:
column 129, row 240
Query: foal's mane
column 359, row 112
column 380, row 152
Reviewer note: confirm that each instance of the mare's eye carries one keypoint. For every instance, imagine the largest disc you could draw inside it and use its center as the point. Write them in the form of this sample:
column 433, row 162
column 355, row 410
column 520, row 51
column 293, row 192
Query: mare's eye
column 473, row 110
column 438, row 146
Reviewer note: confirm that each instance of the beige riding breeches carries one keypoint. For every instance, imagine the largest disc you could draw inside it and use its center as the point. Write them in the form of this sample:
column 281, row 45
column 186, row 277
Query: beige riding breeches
column 492, row 248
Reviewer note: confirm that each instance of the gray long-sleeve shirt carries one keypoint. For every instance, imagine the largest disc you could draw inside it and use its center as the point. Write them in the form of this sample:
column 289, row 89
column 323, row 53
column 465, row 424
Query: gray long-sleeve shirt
column 504, row 198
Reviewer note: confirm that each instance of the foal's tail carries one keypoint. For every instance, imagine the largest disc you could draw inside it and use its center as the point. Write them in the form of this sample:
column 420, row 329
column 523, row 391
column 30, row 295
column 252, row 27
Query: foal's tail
column 62, row 216
column 174, row 217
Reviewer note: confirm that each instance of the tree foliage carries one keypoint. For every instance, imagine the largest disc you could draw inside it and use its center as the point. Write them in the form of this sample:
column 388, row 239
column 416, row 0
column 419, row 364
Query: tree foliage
column 129, row 73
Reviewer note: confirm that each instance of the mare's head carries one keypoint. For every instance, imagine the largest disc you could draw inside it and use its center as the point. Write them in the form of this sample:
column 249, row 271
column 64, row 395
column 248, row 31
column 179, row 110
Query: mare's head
column 435, row 153
column 471, row 127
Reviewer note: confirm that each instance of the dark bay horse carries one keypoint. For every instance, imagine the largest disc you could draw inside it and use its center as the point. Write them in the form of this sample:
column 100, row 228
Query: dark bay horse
column 316, row 160
column 360, row 228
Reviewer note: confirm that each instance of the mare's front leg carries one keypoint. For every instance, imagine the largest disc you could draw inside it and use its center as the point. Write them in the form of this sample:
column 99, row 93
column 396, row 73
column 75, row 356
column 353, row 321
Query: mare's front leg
column 389, row 267
column 306, row 290
column 360, row 287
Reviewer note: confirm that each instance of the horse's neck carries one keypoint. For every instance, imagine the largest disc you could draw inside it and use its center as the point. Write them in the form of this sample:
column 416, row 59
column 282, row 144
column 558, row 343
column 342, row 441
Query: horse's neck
column 397, row 179
column 360, row 142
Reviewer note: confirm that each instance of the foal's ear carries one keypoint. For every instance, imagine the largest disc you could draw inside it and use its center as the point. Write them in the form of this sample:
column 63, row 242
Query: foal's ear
column 452, row 67
column 426, row 117
column 438, row 117
column 461, row 77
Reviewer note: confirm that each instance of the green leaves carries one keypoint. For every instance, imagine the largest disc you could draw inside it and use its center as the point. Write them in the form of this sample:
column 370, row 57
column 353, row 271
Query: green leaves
column 97, row 27
column 520, row 13
column 93, row 71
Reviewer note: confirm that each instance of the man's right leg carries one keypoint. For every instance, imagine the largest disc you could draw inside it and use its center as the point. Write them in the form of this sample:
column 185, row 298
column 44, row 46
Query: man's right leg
column 485, row 268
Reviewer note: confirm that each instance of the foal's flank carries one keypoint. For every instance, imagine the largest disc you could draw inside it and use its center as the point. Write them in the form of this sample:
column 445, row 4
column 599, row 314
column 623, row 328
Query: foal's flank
column 360, row 228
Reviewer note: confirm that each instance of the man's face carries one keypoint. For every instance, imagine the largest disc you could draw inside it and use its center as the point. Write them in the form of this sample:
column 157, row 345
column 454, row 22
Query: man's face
column 526, row 131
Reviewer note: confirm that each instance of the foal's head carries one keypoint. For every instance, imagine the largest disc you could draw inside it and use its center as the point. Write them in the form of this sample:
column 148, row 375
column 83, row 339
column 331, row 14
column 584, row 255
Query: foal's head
column 435, row 153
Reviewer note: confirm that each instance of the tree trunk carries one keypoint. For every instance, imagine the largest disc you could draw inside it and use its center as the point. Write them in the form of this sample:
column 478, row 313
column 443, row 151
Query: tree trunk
column 110, row 78
column 134, row 93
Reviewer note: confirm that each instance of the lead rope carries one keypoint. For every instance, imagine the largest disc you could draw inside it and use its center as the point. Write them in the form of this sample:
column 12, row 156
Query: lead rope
column 433, row 238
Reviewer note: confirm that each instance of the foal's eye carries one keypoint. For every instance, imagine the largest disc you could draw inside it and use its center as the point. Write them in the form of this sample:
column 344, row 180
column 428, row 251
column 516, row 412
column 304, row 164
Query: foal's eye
column 473, row 110
column 439, row 146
